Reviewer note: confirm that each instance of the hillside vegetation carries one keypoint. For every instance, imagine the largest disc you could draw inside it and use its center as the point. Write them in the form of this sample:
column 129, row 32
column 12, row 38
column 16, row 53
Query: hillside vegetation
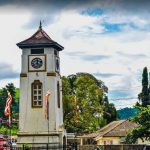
column 126, row 113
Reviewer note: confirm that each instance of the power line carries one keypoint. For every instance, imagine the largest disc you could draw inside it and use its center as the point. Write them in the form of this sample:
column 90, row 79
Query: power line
column 132, row 88
column 125, row 104
column 124, row 98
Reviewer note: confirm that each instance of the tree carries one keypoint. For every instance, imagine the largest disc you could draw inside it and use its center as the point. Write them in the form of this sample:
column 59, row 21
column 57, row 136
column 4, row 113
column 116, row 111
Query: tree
column 110, row 112
column 144, row 95
column 89, row 96
column 143, row 114
column 67, row 97
column 90, row 113
column 143, row 130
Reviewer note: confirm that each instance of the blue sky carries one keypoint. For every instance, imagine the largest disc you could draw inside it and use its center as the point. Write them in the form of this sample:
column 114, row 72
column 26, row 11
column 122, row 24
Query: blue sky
column 109, row 39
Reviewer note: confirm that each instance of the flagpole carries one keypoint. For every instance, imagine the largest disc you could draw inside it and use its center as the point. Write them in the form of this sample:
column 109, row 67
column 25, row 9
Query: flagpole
column 76, row 120
column 48, row 123
column 10, row 126
column 47, row 112
column 10, row 122
column 7, row 111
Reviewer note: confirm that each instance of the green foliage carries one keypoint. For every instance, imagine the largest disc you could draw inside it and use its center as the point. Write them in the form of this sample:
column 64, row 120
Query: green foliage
column 143, row 114
column 14, row 108
column 93, row 109
column 143, row 130
column 17, row 93
column 125, row 113
column 144, row 96
column 3, row 129
column 13, row 129
column 110, row 112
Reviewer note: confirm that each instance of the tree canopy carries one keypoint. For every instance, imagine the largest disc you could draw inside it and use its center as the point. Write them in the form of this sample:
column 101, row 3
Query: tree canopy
column 143, row 130
column 143, row 114
column 92, row 109
column 144, row 96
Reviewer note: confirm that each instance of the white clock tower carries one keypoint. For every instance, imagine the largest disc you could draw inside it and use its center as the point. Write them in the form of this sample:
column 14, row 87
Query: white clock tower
column 40, row 72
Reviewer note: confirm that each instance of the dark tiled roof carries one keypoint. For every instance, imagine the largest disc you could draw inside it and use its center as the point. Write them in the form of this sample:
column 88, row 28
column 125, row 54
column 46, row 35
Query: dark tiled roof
column 104, row 130
column 122, row 129
column 39, row 39
column 114, row 129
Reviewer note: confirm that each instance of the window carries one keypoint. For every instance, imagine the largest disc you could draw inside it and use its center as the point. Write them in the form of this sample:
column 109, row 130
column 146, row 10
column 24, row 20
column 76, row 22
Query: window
column 122, row 140
column 37, row 51
column 111, row 142
column 36, row 94
column 58, row 94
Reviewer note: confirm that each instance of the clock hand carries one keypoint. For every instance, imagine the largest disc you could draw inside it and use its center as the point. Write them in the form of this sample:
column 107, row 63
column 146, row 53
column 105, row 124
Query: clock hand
column 37, row 62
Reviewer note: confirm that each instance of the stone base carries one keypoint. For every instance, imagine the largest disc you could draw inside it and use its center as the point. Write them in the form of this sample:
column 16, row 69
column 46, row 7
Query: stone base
column 40, row 139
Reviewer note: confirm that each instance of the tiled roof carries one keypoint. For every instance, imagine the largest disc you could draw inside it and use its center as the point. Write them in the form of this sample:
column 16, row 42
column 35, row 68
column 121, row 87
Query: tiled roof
column 39, row 39
column 105, row 129
column 122, row 129
column 114, row 129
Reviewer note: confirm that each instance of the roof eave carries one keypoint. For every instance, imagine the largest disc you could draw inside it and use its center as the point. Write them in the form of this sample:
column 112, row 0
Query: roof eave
column 41, row 45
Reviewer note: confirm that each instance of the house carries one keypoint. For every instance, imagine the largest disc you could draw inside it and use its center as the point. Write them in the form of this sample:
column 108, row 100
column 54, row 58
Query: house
column 114, row 133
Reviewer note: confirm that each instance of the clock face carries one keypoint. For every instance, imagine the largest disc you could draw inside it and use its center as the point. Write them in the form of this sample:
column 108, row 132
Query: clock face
column 36, row 63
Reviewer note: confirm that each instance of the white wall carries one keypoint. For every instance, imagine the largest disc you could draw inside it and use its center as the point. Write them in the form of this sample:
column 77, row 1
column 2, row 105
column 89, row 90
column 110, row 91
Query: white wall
column 33, row 119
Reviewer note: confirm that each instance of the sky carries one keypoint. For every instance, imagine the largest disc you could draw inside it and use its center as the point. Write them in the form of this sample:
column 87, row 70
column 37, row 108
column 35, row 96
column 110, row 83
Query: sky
column 107, row 38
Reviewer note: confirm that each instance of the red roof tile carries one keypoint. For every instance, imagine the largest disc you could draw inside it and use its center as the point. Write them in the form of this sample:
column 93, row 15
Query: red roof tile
column 39, row 39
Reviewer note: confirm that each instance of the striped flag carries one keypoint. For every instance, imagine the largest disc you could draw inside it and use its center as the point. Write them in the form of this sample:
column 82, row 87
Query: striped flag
column 47, row 104
column 75, row 108
column 7, row 110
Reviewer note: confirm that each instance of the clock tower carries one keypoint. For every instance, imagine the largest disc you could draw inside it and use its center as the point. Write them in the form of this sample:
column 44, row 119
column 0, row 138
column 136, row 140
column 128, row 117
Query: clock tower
column 40, row 72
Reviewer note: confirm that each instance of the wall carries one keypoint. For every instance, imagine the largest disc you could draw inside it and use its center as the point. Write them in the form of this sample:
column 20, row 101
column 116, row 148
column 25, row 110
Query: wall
column 108, row 141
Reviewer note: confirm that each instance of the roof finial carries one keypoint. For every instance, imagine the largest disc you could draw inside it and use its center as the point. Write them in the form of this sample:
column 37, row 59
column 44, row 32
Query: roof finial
column 40, row 27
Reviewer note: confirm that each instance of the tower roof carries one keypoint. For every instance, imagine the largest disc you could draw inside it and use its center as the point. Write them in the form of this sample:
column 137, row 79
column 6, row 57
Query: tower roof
column 38, row 40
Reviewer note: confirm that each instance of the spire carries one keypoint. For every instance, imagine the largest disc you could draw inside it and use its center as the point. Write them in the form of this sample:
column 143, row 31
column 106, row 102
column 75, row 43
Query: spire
column 39, row 39
column 40, row 26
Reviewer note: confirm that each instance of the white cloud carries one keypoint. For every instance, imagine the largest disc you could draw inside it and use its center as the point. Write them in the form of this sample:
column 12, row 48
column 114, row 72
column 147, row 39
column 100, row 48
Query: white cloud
column 79, row 33
column 122, row 103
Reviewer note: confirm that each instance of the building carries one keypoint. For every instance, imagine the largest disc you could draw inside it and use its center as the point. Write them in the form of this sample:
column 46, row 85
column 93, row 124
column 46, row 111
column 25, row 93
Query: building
column 114, row 133
column 40, row 72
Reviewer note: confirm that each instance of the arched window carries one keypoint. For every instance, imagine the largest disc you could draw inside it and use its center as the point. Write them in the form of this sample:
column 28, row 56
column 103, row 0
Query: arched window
column 37, row 94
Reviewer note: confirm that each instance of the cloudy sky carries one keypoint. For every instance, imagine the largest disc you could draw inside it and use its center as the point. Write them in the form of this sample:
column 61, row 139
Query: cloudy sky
column 107, row 38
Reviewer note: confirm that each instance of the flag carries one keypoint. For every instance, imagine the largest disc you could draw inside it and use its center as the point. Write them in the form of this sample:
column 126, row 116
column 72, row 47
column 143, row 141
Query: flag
column 75, row 108
column 47, row 104
column 7, row 111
